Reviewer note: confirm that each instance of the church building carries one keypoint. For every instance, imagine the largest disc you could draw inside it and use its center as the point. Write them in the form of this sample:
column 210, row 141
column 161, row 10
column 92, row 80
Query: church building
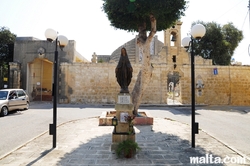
column 81, row 81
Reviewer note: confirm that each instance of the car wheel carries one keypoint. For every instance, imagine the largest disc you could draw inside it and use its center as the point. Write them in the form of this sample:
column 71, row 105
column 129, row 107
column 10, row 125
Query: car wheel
column 4, row 111
column 27, row 106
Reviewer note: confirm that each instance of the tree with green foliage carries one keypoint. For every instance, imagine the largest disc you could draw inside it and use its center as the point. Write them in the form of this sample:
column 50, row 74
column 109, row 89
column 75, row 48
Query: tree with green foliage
column 219, row 42
column 7, row 40
column 141, row 16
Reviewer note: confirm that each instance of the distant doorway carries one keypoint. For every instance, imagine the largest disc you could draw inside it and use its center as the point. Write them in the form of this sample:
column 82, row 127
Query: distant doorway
column 40, row 79
column 173, row 88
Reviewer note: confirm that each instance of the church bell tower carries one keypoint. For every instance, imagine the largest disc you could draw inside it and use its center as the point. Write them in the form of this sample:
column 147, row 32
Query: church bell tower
column 172, row 40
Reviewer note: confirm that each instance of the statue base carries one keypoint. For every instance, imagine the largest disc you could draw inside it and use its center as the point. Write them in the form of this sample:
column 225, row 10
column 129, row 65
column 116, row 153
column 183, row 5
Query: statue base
column 123, row 131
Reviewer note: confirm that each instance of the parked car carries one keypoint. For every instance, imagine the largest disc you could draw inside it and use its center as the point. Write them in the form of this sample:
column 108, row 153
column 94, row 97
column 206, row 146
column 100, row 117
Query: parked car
column 13, row 99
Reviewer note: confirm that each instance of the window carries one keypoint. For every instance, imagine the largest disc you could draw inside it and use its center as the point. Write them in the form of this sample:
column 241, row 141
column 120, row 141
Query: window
column 20, row 93
column 13, row 94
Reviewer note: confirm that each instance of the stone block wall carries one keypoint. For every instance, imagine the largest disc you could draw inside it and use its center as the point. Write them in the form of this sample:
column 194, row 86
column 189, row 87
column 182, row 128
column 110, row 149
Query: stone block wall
column 88, row 83
column 230, row 86
column 96, row 83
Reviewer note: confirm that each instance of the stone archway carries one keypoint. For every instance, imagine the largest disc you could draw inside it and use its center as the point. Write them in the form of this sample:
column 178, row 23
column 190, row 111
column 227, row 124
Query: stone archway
column 39, row 79
column 173, row 88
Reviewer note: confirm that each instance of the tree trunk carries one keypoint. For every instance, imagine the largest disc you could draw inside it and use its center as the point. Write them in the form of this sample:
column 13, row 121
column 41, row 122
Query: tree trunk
column 145, row 74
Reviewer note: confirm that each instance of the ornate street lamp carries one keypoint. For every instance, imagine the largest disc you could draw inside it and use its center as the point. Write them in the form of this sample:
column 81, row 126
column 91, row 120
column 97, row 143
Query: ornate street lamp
column 62, row 41
column 197, row 32
column 114, row 123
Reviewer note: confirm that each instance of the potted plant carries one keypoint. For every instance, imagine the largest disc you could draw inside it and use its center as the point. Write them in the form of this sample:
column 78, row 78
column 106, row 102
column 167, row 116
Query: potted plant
column 127, row 148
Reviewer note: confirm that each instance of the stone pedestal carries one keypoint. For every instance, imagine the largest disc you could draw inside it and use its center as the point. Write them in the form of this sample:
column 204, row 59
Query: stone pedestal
column 123, row 108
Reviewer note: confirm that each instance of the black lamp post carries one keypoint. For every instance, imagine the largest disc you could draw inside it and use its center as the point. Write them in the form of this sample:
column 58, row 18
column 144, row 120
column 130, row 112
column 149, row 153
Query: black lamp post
column 197, row 32
column 51, row 36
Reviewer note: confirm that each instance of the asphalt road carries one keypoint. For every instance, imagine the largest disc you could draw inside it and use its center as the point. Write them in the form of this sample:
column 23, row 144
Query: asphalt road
column 20, row 127
column 228, row 124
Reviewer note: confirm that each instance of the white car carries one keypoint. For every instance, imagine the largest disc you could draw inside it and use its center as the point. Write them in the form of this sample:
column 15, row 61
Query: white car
column 13, row 99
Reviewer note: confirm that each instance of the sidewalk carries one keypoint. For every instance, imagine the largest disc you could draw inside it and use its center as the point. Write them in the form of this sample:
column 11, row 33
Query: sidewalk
column 83, row 142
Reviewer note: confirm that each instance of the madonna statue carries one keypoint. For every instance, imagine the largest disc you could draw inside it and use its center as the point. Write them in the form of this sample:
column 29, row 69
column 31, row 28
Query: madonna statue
column 124, row 71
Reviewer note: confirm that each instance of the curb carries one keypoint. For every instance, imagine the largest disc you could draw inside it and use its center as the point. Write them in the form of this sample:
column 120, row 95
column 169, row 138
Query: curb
column 228, row 146
column 13, row 150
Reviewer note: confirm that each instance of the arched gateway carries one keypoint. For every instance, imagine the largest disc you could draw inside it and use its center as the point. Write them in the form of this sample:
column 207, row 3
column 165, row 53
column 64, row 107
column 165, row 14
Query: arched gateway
column 39, row 79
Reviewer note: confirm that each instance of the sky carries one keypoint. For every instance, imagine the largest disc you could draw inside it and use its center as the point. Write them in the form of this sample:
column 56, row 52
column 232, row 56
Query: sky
column 88, row 25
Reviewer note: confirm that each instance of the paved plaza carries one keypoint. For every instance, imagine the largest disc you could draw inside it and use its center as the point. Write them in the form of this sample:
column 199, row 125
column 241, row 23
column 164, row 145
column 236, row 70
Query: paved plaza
column 83, row 142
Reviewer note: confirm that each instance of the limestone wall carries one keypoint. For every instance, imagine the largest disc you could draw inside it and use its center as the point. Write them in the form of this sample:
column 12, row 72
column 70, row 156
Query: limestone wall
column 88, row 83
column 96, row 83
column 230, row 86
